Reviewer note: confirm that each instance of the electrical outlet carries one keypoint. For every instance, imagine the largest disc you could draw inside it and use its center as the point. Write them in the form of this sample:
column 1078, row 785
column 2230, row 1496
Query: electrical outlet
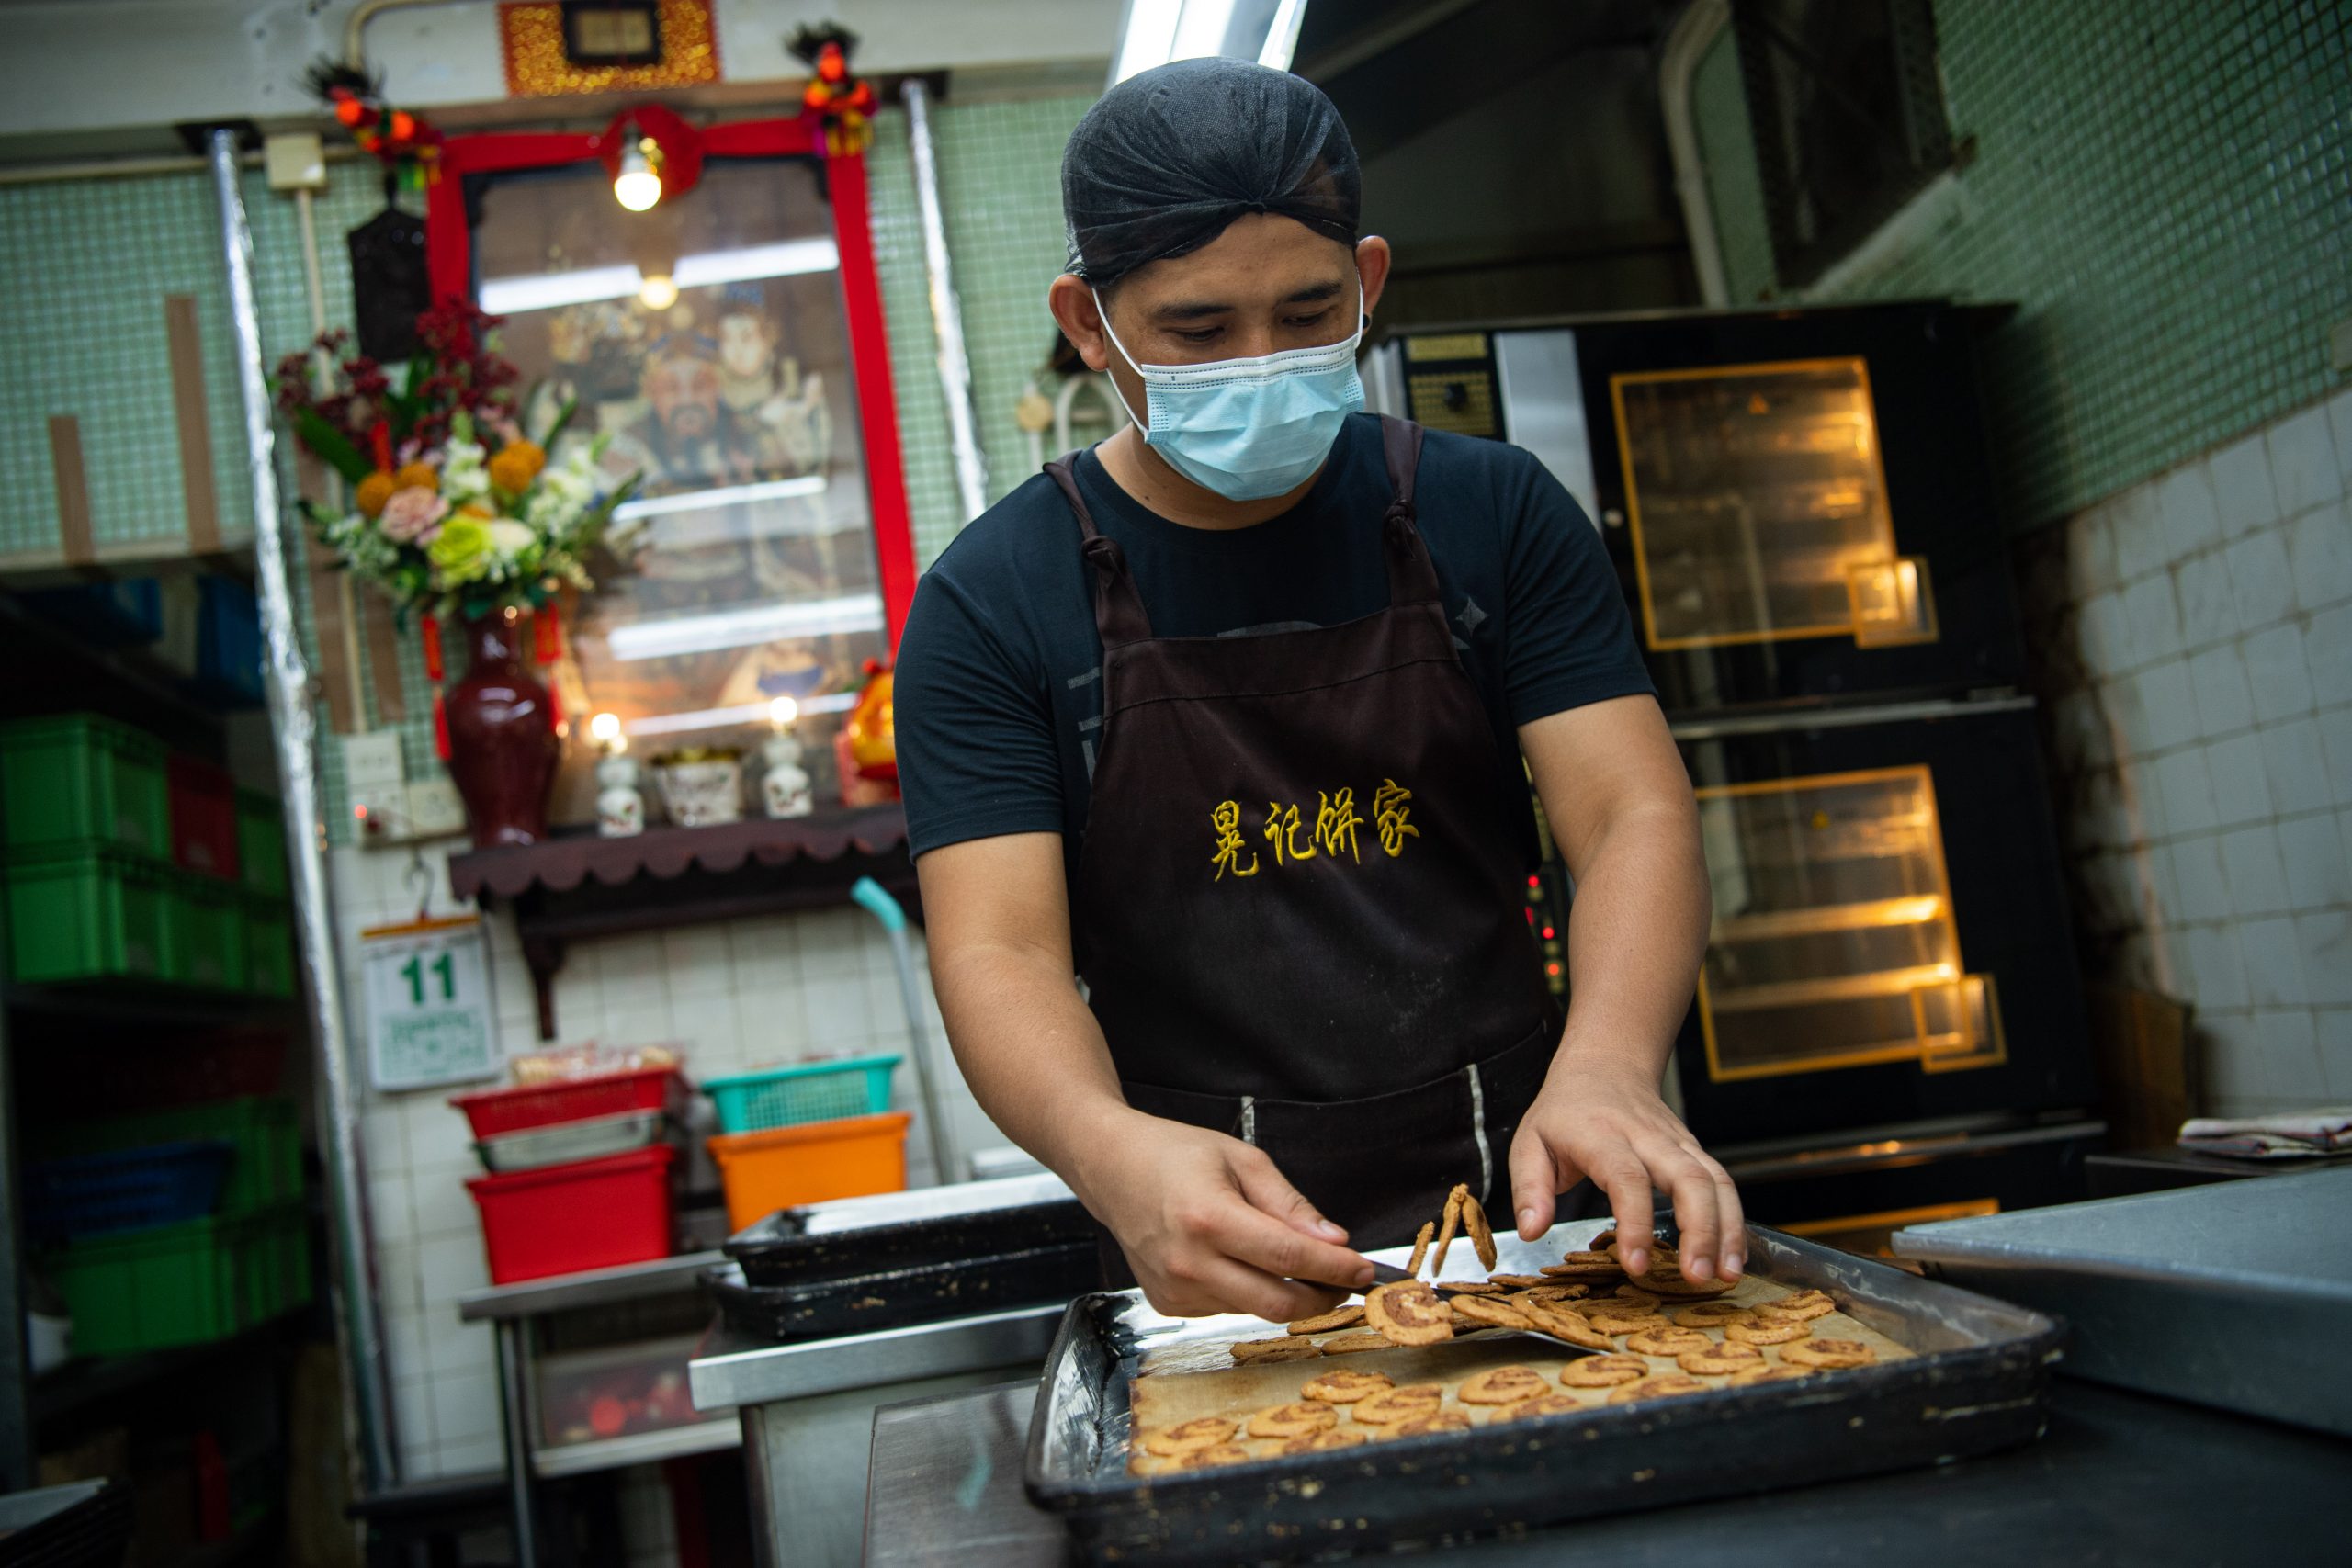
column 433, row 809
column 294, row 161
column 375, row 783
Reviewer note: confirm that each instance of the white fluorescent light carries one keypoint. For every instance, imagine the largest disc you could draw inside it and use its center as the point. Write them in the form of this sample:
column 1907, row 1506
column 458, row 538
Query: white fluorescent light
column 1150, row 38
column 719, row 495
column 786, row 258
column 743, row 713
column 1282, row 34
column 548, row 290
column 746, row 628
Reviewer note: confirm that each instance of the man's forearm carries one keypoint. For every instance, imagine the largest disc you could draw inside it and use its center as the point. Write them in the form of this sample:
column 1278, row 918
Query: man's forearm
column 1637, row 933
column 1030, row 1049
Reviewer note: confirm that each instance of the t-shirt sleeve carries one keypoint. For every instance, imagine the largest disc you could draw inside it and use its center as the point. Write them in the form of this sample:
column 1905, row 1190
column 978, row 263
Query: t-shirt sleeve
column 1570, row 640
column 975, row 729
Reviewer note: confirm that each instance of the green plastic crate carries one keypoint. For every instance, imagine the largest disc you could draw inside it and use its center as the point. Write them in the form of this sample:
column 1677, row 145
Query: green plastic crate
column 81, row 780
column 204, row 934
column 183, row 1284
column 90, row 914
column 261, row 843
column 265, row 1173
column 269, row 944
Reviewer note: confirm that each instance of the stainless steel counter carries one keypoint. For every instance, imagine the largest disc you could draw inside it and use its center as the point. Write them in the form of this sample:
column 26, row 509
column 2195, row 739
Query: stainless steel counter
column 807, row 1414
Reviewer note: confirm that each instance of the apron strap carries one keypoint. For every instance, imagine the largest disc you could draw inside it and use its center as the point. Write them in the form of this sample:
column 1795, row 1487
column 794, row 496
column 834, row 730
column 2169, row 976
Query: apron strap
column 1412, row 579
column 1119, row 613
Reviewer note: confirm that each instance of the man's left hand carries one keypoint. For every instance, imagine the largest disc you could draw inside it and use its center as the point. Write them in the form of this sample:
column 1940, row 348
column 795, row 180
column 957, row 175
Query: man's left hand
column 1602, row 1121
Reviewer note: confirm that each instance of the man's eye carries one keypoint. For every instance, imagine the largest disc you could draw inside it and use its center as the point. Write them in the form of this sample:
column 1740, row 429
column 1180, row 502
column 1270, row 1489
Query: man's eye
column 1206, row 335
column 1309, row 321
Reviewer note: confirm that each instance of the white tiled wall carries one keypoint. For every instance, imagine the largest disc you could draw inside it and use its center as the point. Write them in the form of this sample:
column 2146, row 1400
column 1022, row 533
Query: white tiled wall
column 744, row 995
column 2198, row 631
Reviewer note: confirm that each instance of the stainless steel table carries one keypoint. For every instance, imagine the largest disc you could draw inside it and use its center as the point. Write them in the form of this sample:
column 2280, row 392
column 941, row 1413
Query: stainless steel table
column 807, row 1414
column 2118, row 1478
column 513, row 1308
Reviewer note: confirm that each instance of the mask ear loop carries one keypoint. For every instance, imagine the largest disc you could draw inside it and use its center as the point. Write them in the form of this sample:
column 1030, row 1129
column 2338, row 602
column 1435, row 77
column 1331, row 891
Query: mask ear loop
column 1101, row 310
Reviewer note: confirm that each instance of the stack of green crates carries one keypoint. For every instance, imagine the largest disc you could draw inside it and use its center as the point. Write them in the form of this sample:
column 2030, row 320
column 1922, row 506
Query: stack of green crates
column 92, row 894
column 200, row 1279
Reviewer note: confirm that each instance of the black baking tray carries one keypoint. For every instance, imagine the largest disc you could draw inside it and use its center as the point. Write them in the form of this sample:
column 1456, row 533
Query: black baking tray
column 900, row 1298
column 855, row 1236
column 1979, row 1384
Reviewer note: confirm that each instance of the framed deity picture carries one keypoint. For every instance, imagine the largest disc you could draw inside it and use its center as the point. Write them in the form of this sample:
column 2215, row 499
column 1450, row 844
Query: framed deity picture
column 727, row 344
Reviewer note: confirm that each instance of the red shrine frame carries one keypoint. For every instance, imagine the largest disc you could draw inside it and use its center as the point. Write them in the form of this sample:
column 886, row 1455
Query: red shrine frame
column 449, row 262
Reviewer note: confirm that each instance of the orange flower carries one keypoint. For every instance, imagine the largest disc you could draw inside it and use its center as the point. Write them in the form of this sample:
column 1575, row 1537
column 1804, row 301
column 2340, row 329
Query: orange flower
column 374, row 491
column 516, row 465
column 417, row 476
column 477, row 509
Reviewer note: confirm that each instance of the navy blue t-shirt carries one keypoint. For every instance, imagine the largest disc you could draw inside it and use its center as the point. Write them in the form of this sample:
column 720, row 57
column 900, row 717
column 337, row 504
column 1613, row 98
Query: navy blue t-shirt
column 999, row 691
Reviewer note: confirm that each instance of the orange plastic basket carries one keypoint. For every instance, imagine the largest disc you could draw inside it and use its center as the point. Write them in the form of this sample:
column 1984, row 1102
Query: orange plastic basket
column 845, row 1157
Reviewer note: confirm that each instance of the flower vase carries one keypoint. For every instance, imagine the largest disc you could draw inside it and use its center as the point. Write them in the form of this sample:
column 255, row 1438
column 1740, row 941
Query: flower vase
column 503, row 745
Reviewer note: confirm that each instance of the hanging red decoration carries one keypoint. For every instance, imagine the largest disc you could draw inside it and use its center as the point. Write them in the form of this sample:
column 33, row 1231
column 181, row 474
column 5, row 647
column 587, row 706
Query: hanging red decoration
column 842, row 102
column 407, row 144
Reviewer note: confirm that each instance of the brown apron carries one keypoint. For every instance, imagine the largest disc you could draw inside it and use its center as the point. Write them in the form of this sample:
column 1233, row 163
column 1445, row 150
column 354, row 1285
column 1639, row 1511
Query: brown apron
column 1300, row 907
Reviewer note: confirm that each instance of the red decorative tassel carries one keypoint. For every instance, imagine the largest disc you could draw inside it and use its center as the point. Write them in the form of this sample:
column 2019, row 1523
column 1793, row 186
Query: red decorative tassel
column 430, row 628
column 547, row 633
column 381, row 438
column 440, row 727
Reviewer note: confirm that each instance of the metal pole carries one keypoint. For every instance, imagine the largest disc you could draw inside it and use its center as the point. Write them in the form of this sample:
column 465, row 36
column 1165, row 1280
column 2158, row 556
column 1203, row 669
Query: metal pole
column 294, row 729
column 946, row 314
column 17, row 1436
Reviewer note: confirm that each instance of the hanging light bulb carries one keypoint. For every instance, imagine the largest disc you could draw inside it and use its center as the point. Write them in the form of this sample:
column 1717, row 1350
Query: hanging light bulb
column 639, row 185
column 659, row 291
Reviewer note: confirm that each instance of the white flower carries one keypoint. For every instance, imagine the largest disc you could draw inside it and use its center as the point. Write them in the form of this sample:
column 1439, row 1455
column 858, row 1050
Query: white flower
column 464, row 473
column 509, row 538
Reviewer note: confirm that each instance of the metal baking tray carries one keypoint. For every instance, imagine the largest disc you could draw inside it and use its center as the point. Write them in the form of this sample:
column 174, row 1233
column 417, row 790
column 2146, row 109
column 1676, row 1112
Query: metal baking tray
column 2192, row 1293
column 565, row 1141
column 891, row 1230
column 900, row 1298
column 1978, row 1381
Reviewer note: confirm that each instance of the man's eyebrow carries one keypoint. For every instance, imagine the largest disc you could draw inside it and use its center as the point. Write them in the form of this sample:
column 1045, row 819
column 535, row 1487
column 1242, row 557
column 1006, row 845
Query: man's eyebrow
column 1193, row 309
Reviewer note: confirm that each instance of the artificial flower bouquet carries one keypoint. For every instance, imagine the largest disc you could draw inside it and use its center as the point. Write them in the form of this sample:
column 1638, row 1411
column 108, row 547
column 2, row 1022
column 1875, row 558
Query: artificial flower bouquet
column 453, row 511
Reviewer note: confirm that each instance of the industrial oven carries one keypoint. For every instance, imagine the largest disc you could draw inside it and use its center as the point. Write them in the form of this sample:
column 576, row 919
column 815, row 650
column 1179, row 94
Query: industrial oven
column 1799, row 509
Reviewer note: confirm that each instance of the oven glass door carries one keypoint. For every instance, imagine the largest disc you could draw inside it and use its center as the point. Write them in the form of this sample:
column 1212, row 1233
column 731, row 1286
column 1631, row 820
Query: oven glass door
column 1891, row 939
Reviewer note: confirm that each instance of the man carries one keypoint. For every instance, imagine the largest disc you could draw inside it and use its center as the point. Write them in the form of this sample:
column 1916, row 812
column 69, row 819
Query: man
column 1226, row 713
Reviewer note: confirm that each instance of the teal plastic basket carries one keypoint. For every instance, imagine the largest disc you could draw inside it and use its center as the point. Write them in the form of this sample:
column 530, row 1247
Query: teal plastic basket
column 813, row 1091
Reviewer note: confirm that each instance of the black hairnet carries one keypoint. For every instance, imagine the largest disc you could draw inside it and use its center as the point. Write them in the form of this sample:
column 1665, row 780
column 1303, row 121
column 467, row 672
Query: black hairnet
column 1171, row 156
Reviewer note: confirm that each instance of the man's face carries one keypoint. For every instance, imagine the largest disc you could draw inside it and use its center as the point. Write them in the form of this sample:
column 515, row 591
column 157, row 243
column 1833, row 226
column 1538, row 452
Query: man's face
column 685, row 394
column 1265, row 285
column 743, row 345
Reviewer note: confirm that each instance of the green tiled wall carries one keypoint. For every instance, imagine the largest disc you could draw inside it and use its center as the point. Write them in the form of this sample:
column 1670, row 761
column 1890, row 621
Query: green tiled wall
column 2166, row 192
column 88, row 264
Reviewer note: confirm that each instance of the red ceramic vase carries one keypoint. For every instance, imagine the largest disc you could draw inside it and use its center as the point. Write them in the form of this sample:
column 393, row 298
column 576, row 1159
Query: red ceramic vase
column 503, row 745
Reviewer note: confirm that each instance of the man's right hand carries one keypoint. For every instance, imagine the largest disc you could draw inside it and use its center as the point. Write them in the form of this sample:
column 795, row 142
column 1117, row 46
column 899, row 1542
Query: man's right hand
column 1209, row 1225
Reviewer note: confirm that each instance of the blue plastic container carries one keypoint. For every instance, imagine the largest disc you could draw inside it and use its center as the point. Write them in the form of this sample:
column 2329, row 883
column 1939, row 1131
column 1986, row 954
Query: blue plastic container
column 127, row 613
column 228, row 643
column 125, row 1189
column 812, row 1091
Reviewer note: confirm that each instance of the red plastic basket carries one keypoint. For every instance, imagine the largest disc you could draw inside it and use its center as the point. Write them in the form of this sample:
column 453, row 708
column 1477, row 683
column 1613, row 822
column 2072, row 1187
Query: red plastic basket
column 560, row 1219
column 204, row 817
column 496, row 1110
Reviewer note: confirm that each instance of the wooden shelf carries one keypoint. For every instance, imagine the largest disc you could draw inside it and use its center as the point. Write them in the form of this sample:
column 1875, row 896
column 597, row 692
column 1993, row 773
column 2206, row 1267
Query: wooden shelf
column 580, row 885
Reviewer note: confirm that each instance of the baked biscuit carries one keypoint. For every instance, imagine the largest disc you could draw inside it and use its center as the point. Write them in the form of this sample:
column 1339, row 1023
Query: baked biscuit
column 1188, row 1437
column 1291, row 1348
column 1448, row 1224
column 1803, row 1305
column 1626, row 1321
column 1346, row 1316
column 1706, row 1315
column 1561, row 1324
column 1770, row 1371
column 1293, row 1420
column 1421, row 1426
column 1650, row 1299
column 1502, row 1385
column 1586, row 1266
column 1407, row 1313
column 1718, row 1361
column 1543, row 1404
column 1657, row 1387
column 1402, row 1404
column 1768, row 1331
column 1482, row 1234
column 1344, row 1387
column 1349, row 1344
column 1603, row 1371
column 1315, row 1442
column 1469, row 1288
column 1214, row 1456
column 1668, row 1341
column 1516, row 1281
column 1828, row 1353
column 1485, row 1312
column 1420, row 1247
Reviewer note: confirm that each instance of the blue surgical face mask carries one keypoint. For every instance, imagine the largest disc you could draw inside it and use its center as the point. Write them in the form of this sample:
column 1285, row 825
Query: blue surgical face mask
column 1252, row 428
